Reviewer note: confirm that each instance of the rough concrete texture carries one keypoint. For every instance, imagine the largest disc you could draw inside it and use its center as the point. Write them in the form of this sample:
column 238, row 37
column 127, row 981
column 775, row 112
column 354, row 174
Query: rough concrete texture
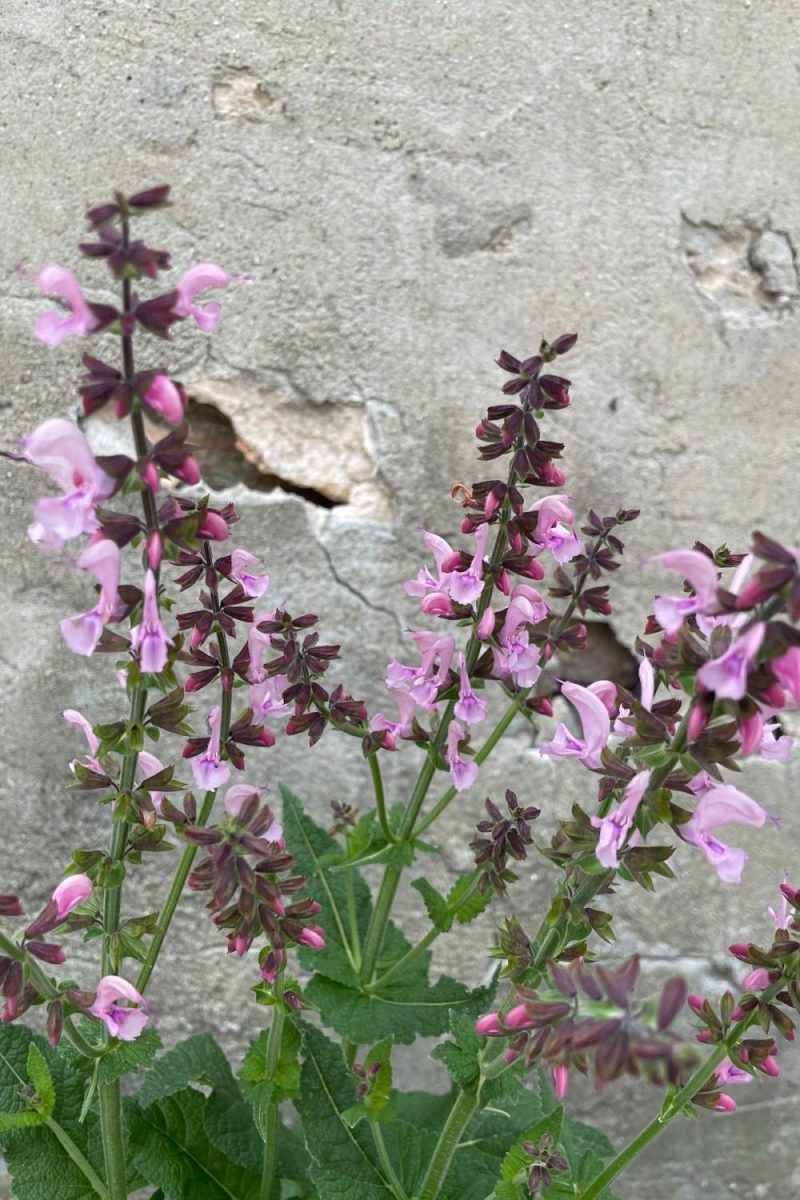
column 413, row 187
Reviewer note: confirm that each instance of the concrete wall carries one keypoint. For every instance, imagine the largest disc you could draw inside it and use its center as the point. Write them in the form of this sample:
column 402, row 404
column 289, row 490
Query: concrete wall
column 413, row 186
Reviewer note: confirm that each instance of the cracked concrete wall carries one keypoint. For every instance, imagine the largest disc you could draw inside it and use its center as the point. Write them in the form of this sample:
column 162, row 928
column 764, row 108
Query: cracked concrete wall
column 413, row 187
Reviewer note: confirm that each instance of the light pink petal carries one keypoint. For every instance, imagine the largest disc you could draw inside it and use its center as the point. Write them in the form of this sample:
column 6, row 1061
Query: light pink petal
column 72, row 892
column 594, row 719
column 696, row 568
column 76, row 718
column 82, row 633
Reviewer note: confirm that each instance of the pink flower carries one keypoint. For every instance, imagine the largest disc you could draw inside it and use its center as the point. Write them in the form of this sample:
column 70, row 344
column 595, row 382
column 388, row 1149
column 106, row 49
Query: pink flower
column 469, row 707
column 647, row 687
column 596, row 725
column 194, row 281
column 514, row 655
column 52, row 327
column 720, row 805
column 560, row 1077
column 552, row 529
column 463, row 771
column 465, row 587
column 121, row 1020
column 772, row 748
column 726, row 676
column 406, row 705
column 254, row 585
column 76, row 718
column 209, row 771
column 72, row 892
column 425, row 581
column 148, row 637
column 786, row 670
column 82, row 632
column 59, row 448
column 423, row 682
column 699, row 570
column 614, row 828
column 266, row 698
column 164, row 398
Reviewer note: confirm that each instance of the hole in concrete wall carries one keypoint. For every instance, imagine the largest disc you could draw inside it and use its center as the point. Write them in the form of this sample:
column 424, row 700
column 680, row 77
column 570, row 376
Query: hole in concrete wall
column 746, row 271
column 322, row 450
column 225, row 460
column 604, row 658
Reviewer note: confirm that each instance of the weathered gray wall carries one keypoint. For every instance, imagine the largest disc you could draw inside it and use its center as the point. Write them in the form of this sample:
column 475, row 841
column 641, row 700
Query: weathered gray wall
column 413, row 186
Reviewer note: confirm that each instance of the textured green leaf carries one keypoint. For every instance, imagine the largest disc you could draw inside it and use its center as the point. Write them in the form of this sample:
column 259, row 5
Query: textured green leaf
column 285, row 1082
column 129, row 1056
column 380, row 1086
column 170, row 1147
column 402, row 1009
column 41, row 1079
column 461, row 1055
column 309, row 843
column 40, row 1168
column 197, row 1059
column 435, row 904
column 471, row 908
column 343, row 1160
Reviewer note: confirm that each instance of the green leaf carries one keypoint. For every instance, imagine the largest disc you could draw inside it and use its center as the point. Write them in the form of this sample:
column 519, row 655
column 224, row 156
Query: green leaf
column 344, row 1166
column 471, row 908
column 435, row 904
column 197, row 1059
column 170, row 1148
column 285, row 1082
column 309, row 844
column 461, row 1056
column 42, row 1080
column 40, row 1167
column 404, row 1009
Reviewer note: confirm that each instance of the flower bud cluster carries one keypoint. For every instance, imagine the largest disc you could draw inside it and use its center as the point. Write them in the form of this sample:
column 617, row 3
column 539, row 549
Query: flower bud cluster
column 503, row 837
column 588, row 1019
column 248, row 873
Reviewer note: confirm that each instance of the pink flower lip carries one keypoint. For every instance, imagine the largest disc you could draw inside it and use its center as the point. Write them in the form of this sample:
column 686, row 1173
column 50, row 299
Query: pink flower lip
column 72, row 892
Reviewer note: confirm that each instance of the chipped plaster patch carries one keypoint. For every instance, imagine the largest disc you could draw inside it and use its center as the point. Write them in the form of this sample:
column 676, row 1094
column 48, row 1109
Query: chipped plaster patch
column 745, row 271
column 238, row 94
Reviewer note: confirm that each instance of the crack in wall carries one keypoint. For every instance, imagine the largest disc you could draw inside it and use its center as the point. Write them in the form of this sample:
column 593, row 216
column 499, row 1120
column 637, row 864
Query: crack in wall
column 349, row 587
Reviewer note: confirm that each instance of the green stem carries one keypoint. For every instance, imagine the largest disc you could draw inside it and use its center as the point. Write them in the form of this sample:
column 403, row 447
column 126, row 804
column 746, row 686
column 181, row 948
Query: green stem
column 110, row 1103
column 82, row 1163
column 380, row 799
column 173, row 897
column 395, row 1185
column 481, row 756
column 422, row 945
column 458, row 1120
column 676, row 1103
column 269, row 1172
column 352, row 917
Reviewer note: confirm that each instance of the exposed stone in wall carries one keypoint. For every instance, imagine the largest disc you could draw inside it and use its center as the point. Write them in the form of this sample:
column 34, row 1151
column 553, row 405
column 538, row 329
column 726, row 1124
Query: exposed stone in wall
column 321, row 447
column 746, row 270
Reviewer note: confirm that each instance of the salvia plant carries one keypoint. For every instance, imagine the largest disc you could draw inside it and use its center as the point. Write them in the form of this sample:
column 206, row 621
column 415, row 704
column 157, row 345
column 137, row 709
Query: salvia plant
column 210, row 676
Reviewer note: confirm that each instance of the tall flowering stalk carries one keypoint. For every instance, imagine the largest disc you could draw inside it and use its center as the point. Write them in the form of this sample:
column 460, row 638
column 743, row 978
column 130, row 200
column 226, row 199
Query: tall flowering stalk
column 498, row 609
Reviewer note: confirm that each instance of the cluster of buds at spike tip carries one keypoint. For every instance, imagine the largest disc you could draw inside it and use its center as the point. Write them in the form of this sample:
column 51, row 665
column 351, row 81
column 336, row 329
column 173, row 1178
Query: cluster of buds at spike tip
column 588, row 1019
column 247, row 871
column 596, row 556
column 302, row 661
column 543, row 1159
column 503, row 837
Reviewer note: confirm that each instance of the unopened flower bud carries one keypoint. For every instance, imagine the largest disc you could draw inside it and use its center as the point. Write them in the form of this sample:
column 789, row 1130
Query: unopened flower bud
column 213, row 527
